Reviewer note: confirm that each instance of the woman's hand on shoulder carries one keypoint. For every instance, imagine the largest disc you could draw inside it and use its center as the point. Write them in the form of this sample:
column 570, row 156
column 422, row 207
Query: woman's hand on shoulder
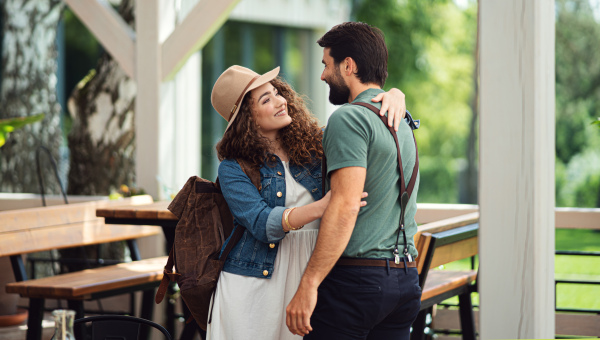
column 393, row 102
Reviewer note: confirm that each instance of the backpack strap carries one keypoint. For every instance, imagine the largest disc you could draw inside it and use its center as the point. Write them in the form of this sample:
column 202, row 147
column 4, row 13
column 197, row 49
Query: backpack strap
column 405, row 192
column 168, row 276
column 254, row 174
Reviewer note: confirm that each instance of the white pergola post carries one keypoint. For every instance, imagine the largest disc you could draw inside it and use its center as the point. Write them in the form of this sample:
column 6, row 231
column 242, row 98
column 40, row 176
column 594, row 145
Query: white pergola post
column 516, row 184
column 147, row 102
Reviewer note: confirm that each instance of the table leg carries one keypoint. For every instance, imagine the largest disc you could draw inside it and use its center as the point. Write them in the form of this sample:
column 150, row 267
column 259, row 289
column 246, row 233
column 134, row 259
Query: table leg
column 147, row 311
column 467, row 322
column 77, row 306
column 35, row 318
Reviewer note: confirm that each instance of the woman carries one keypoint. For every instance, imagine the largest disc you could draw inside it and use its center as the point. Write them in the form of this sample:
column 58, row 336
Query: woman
column 271, row 129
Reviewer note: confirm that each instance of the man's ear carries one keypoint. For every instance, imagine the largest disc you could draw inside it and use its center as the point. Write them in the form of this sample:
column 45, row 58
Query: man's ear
column 350, row 66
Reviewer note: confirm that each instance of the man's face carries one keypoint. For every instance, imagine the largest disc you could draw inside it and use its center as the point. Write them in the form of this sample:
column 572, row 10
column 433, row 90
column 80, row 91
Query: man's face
column 339, row 92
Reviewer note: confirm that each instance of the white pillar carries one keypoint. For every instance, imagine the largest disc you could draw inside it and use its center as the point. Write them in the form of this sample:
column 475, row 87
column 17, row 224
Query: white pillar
column 516, row 184
column 148, row 75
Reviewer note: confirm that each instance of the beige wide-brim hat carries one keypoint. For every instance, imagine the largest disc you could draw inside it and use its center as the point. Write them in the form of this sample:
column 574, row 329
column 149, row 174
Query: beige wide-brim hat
column 232, row 85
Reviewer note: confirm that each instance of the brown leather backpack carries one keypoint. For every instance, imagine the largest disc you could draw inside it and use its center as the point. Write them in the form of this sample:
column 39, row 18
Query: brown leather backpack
column 205, row 222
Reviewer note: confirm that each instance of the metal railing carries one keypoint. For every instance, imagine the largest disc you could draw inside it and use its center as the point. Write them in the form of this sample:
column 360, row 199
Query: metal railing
column 565, row 218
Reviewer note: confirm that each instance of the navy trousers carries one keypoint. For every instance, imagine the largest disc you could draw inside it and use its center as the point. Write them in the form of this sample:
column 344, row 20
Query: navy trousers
column 359, row 302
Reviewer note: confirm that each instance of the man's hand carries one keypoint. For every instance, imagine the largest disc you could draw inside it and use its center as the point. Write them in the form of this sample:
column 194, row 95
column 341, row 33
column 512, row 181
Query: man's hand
column 300, row 309
column 393, row 101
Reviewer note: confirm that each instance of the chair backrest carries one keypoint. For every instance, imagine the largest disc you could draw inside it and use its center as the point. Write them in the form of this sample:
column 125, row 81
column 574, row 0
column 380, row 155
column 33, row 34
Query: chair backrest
column 447, row 246
column 104, row 327
column 424, row 234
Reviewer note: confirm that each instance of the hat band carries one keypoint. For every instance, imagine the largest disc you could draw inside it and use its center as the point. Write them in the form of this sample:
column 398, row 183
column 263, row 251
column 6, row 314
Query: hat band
column 242, row 96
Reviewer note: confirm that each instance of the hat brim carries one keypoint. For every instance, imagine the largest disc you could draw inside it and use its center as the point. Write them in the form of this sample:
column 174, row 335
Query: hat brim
column 265, row 78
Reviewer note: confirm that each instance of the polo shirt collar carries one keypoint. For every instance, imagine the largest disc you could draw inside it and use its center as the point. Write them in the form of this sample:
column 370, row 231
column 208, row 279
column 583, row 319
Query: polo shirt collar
column 366, row 95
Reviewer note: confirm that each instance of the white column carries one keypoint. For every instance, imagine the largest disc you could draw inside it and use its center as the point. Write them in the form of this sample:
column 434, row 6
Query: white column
column 516, row 184
column 319, row 91
column 186, row 113
column 147, row 127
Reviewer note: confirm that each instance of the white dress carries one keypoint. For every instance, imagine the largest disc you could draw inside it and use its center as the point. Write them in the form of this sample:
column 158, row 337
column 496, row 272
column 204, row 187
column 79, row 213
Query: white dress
column 254, row 308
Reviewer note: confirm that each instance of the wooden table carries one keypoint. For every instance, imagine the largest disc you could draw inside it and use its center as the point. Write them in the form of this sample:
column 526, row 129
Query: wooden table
column 26, row 231
column 147, row 214
column 158, row 215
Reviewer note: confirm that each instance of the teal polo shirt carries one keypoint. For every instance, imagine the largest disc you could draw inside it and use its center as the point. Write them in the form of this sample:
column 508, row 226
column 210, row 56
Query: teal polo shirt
column 355, row 136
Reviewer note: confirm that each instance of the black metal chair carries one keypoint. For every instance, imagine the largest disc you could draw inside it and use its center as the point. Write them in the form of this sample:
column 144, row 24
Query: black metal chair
column 121, row 327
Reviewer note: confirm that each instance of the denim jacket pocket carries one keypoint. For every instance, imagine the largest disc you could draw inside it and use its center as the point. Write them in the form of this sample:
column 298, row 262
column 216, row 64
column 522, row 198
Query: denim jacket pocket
column 266, row 188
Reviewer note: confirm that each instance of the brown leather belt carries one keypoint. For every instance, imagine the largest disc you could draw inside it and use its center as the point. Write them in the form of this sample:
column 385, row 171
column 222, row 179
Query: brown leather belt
column 347, row 261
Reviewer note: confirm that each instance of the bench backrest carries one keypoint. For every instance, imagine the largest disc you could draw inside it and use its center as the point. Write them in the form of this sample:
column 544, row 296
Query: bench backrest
column 446, row 241
column 63, row 226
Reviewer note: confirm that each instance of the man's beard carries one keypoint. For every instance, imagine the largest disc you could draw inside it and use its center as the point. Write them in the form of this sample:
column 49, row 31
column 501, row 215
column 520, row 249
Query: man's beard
column 339, row 92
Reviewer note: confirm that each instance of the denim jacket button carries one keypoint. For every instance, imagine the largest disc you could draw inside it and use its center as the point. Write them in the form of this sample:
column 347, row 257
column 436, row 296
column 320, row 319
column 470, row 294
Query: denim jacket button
column 279, row 194
column 279, row 173
column 265, row 272
column 315, row 189
column 271, row 245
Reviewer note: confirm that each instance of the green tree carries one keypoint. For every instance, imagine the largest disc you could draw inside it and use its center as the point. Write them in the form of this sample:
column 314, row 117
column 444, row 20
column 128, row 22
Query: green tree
column 577, row 104
column 431, row 59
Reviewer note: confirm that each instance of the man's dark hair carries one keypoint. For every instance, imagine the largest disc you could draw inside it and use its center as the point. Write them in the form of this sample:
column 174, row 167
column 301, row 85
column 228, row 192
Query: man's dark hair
column 363, row 43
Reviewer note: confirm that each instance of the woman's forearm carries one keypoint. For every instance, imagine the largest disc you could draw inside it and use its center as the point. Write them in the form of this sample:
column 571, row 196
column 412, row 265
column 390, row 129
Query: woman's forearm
column 300, row 216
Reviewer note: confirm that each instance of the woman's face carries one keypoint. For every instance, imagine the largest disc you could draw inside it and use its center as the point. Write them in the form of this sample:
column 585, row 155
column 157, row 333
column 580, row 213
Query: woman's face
column 269, row 110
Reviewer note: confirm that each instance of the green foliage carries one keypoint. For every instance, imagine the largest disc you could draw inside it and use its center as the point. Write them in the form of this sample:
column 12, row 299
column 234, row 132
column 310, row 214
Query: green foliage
column 431, row 59
column 9, row 125
column 577, row 103
column 126, row 191
column 82, row 50
column 578, row 182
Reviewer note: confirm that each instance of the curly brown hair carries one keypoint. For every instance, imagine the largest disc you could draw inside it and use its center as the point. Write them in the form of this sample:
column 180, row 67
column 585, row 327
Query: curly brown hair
column 301, row 140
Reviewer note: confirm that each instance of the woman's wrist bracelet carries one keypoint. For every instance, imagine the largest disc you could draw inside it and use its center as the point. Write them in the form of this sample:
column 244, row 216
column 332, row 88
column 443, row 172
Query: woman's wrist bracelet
column 286, row 215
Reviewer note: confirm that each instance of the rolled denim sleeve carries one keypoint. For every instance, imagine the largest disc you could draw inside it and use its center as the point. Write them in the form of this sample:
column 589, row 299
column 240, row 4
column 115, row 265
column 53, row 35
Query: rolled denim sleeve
column 274, row 228
column 247, row 205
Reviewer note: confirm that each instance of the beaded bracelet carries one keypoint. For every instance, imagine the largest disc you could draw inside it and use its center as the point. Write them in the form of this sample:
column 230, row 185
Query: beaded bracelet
column 286, row 215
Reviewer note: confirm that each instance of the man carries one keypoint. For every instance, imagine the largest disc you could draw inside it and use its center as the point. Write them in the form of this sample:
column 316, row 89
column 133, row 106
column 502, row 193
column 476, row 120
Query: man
column 368, row 292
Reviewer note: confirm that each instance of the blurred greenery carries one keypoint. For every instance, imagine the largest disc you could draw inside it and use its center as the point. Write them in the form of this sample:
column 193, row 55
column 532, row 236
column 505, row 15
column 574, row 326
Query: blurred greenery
column 577, row 104
column 431, row 59
column 431, row 46
column 126, row 191
column 82, row 52
column 9, row 125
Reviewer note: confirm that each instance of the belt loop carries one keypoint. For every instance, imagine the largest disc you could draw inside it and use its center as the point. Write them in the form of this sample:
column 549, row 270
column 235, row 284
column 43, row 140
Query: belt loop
column 405, row 265
column 387, row 262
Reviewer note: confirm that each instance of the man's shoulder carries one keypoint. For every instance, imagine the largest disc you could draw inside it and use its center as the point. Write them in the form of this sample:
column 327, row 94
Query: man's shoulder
column 350, row 112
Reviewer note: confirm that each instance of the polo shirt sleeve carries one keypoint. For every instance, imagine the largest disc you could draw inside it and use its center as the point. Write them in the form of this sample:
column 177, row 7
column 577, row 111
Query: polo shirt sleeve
column 346, row 139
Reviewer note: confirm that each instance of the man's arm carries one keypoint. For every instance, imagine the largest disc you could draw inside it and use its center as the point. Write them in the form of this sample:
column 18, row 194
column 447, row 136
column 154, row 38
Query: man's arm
column 336, row 228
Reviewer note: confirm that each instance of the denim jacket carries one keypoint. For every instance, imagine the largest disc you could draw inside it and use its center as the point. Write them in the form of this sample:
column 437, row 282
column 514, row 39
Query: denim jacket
column 261, row 212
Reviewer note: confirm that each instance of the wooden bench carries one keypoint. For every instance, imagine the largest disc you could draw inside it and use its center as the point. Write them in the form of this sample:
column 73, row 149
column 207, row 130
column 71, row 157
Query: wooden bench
column 440, row 243
column 57, row 227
